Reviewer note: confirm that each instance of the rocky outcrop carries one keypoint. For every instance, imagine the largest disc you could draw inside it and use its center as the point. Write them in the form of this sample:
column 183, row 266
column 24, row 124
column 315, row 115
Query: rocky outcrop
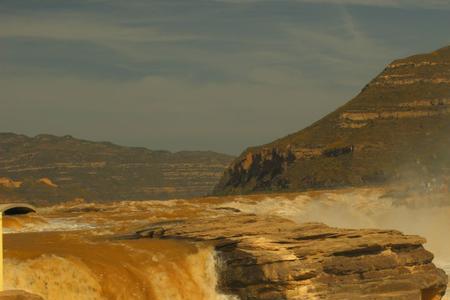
column 18, row 295
column 396, row 128
column 51, row 169
column 9, row 183
column 266, row 257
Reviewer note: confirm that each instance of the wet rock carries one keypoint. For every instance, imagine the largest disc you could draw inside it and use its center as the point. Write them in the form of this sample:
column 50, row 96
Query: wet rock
column 153, row 233
column 267, row 257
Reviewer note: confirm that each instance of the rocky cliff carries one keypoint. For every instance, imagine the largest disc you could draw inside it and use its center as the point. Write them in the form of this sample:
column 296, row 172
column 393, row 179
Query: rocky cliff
column 267, row 257
column 397, row 128
column 48, row 168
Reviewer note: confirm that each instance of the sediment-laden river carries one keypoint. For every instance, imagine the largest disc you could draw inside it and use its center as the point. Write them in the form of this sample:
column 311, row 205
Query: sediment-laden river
column 71, row 251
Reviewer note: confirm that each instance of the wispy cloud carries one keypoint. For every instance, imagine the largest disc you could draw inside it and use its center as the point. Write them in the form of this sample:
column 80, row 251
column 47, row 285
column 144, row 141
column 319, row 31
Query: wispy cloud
column 175, row 74
column 83, row 27
column 432, row 4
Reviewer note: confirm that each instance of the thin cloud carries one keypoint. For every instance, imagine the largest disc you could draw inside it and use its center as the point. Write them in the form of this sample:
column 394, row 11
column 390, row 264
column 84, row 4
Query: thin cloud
column 394, row 3
column 175, row 74
column 431, row 4
column 82, row 27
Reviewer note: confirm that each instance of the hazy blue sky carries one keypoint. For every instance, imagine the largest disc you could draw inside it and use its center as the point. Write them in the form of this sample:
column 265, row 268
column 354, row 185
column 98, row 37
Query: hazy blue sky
column 198, row 74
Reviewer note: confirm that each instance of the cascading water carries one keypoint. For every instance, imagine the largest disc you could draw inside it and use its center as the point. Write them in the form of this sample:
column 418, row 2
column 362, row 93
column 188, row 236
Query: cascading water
column 69, row 252
column 364, row 208
column 60, row 266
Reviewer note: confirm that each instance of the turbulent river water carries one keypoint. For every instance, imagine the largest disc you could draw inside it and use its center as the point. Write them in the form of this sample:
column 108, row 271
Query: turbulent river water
column 60, row 267
column 71, row 251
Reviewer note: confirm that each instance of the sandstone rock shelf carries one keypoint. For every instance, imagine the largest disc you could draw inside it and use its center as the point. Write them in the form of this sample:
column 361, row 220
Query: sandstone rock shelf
column 267, row 257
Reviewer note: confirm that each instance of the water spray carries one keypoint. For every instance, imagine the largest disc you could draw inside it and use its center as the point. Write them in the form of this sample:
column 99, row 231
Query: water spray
column 10, row 208
column 1, row 251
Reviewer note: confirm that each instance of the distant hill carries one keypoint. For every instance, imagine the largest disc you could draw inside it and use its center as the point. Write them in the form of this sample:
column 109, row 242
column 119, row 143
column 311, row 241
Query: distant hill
column 396, row 130
column 49, row 169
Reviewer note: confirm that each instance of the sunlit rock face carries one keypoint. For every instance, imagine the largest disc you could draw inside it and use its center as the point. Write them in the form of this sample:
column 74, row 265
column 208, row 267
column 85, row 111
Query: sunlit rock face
column 18, row 295
column 395, row 129
column 235, row 247
column 273, row 258
column 47, row 169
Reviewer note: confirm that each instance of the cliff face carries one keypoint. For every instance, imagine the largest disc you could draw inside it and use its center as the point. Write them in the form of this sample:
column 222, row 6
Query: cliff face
column 273, row 258
column 397, row 127
column 47, row 168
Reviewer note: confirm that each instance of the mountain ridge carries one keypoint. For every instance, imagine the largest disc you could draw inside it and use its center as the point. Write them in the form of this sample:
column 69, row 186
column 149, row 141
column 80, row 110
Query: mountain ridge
column 50, row 168
column 401, row 112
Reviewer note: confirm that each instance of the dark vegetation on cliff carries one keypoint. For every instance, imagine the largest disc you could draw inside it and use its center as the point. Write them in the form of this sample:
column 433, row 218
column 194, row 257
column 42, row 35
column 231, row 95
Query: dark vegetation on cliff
column 48, row 169
column 397, row 129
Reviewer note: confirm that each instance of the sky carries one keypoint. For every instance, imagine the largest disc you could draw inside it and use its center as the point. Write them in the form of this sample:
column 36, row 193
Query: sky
column 217, row 75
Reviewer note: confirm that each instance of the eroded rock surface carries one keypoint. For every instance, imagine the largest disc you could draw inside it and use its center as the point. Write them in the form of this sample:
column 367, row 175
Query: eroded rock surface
column 267, row 257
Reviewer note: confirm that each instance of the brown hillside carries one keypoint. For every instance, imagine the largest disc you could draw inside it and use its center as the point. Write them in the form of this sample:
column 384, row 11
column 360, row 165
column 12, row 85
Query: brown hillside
column 396, row 128
column 48, row 168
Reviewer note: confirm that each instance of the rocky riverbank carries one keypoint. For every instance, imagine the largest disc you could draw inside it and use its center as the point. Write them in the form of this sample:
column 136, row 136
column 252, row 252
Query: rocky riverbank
column 226, row 248
column 274, row 258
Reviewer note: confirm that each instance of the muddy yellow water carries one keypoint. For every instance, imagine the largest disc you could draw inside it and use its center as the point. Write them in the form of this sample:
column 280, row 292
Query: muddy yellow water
column 69, row 251
column 59, row 265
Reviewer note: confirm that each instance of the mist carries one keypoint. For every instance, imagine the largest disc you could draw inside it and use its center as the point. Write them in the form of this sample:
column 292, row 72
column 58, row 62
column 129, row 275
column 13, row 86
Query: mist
column 416, row 214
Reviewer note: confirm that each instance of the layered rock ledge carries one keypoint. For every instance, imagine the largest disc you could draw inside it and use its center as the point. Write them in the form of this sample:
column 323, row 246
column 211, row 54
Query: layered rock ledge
column 267, row 257
column 18, row 295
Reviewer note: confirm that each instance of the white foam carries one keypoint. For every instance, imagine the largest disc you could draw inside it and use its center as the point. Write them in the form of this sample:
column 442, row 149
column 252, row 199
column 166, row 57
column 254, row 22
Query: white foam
column 363, row 209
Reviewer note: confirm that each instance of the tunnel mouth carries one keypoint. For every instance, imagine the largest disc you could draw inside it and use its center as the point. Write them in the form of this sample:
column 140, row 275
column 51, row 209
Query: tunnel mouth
column 19, row 210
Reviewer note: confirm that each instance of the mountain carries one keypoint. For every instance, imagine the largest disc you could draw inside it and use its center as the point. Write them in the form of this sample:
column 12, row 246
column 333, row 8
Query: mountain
column 396, row 130
column 47, row 168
